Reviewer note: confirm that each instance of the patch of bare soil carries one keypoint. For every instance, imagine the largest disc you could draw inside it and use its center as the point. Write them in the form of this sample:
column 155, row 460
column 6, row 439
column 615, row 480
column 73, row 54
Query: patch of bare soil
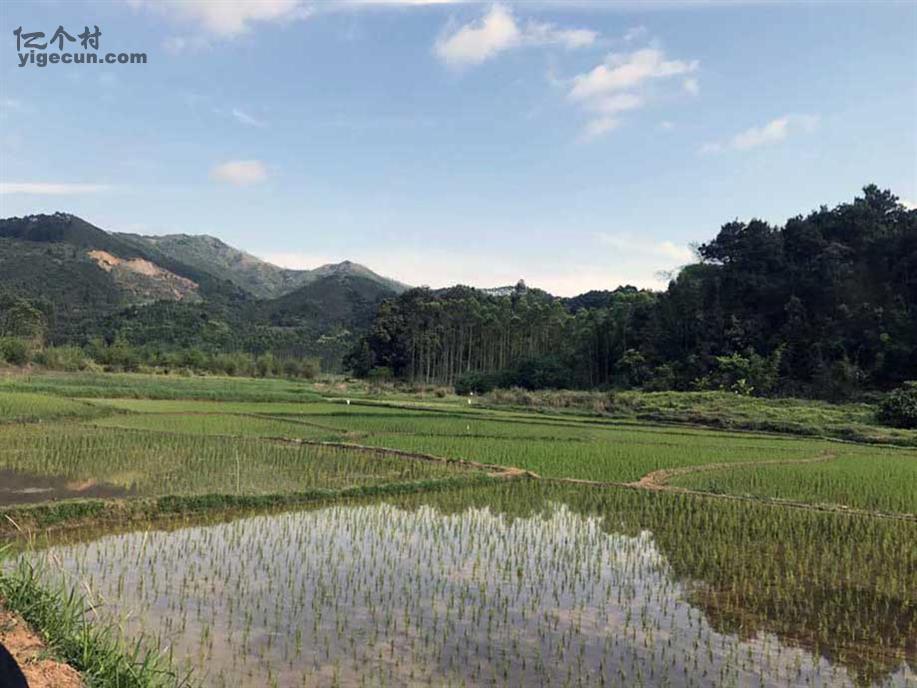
column 41, row 671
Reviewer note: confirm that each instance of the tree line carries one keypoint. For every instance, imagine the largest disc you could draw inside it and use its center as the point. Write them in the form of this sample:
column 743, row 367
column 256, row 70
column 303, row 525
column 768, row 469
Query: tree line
column 824, row 305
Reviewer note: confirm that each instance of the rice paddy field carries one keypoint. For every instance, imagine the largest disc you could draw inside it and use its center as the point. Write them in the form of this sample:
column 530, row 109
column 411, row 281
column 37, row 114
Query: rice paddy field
column 284, row 535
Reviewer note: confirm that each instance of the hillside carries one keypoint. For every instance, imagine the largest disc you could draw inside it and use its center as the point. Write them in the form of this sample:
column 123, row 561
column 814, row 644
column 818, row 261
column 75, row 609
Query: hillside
column 258, row 277
column 336, row 299
column 181, row 292
column 137, row 273
column 85, row 274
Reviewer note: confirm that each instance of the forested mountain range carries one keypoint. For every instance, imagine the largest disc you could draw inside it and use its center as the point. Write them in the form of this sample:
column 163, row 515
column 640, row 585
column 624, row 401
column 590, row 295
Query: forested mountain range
column 258, row 277
column 180, row 292
column 825, row 304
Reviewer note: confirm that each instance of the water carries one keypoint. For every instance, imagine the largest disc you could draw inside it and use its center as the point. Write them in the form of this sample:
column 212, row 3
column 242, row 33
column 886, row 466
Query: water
column 17, row 487
column 420, row 593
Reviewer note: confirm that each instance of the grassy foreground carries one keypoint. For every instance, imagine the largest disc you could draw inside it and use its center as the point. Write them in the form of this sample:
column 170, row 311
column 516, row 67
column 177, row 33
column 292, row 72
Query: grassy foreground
column 73, row 634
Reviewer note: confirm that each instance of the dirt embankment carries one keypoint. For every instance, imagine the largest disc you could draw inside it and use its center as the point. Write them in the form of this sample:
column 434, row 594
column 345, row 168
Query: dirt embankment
column 40, row 670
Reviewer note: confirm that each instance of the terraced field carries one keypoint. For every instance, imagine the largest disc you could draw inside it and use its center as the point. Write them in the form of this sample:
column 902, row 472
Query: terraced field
column 286, row 537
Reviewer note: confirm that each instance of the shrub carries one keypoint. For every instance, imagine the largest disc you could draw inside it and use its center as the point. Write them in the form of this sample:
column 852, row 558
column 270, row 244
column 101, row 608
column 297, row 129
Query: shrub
column 13, row 350
column 477, row 383
column 67, row 358
column 379, row 375
column 899, row 408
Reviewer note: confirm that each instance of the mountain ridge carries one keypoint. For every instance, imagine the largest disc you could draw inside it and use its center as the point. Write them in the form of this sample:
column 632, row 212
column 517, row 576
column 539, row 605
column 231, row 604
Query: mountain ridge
column 177, row 292
column 257, row 276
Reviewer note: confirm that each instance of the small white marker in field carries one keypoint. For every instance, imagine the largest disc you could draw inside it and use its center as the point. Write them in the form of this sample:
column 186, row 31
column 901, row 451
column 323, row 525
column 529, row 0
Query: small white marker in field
column 348, row 402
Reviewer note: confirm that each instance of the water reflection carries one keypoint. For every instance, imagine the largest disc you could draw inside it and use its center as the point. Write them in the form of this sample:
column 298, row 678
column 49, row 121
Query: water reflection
column 518, row 586
column 18, row 487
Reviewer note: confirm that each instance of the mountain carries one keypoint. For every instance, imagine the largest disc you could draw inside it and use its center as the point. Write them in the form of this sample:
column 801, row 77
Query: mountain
column 258, row 277
column 182, row 292
column 84, row 273
column 338, row 298
column 140, row 273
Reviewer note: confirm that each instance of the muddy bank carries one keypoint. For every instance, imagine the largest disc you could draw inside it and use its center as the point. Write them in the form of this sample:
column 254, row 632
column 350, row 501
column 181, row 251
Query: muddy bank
column 32, row 656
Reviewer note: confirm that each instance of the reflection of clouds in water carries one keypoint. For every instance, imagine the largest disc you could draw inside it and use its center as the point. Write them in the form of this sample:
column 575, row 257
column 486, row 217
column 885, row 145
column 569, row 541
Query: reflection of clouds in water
column 354, row 594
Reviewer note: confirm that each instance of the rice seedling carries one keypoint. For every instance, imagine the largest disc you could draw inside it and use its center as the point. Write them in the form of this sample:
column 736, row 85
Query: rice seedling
column 153, row 464
column 21, row 407
column 875, row 479
column 414, row 577
column 516, row 586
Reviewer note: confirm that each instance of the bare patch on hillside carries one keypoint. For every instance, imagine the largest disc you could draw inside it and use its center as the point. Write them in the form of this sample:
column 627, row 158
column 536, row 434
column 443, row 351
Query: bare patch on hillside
column 144, row 280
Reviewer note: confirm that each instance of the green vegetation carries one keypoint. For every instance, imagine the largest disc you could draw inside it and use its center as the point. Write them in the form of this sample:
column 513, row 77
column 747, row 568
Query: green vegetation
column 397, row 568
column 849, row 421
column 174, row 445
column 876, row 480
column 26, row 407
column 514, row 584
column 260, row 279
column 154, row 464
column 105, row 385
column 899, row 408
column 76, row 635
column 820, row 306
column 173, row 303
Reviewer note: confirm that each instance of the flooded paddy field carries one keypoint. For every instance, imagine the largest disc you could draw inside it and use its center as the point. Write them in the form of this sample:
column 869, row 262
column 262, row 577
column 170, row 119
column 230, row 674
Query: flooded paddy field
column 517, row 585
column 281, row 539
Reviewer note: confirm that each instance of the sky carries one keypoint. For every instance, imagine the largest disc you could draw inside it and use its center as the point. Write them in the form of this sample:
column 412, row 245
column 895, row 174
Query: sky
column 577, row 145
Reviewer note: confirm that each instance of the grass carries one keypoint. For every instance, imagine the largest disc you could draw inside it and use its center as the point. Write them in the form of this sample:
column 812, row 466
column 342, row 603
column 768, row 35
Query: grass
column 517, row 584
column 878, row 480
column 29, row 407
column 67, row 515
column 137, row 385
column 407, row 575
column 155, row 464
column 153, row 447
column 552, row 448
column 76, row 636
column 850, row 421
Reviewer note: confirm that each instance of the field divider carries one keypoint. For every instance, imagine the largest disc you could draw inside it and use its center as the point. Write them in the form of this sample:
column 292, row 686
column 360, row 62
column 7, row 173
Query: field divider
column 495, row 470
column 658, row 479
column 654, row 482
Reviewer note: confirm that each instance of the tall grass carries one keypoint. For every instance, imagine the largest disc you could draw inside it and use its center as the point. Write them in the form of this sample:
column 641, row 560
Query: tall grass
column 76, row 635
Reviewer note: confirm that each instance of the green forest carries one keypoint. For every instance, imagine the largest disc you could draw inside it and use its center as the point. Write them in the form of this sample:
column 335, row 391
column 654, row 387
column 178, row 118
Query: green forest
column 825, row 306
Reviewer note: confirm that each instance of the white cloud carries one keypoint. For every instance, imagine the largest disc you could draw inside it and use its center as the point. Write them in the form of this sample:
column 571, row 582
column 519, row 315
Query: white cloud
column 245, row 118
column 622, row 71
column 617, row 85
column 225, row 18
column 907, row 203
column 619, row 102
column 607, row 110
column 498, row 31
column 240, row 172
column 50, row 188
column 775, row 131
column 598, row 126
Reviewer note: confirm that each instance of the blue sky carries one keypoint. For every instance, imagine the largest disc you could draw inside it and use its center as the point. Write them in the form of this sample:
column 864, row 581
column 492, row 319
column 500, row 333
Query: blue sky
column 576, row 145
